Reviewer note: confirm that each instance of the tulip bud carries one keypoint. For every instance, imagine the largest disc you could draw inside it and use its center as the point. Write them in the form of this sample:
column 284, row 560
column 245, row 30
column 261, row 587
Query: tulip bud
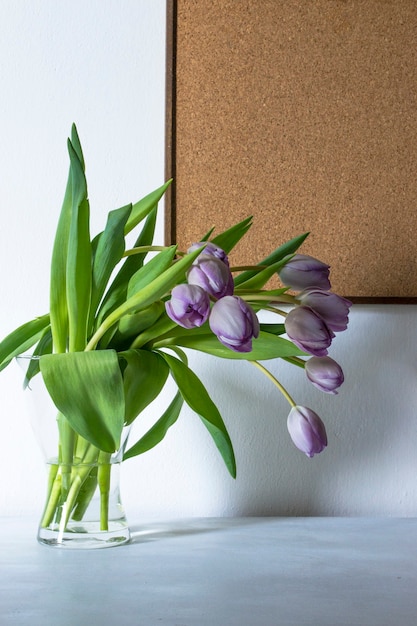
column 212, row 275
column 333, row 308
column 324, row 373
column 211, row 249
column 304, row 271
column 308, row 331
column 306, row 430
column 189, row 306
column 234, row 323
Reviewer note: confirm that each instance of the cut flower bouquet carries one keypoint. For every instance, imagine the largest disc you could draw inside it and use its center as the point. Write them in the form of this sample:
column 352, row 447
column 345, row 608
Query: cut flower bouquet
column 120, row 318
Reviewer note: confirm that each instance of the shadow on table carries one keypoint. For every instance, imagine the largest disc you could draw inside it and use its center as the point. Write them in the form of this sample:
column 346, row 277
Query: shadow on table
column 154, row 531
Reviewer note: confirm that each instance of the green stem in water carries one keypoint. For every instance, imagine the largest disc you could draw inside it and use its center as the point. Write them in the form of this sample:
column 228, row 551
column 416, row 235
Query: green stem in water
column 67, row 439
column 63, row 498
column 275, row 381
column 103, row 480
column 54, row 495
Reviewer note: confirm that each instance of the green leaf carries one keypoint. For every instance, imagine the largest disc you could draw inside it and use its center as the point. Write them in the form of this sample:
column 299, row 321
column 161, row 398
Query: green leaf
column 141, row 209
column 151, row 271
column 131, row 325
column 258, row 280
column 116, row 294
column 58, row 293
column 208, row 234
column 78, row 276
column 75, row 141
column 144, row 376
column 58, row 282
column 44, row 347
column 87, row 388
column 22, row 339
column 158, row 431
column 197, row 398
column 163, row 326
column 108, row 248
column 289, row 247
column 266, row 346
column 274, row 329
column 230, row 237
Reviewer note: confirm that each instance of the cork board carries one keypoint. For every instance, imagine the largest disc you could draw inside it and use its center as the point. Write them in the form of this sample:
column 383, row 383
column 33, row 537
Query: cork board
column 304, row 115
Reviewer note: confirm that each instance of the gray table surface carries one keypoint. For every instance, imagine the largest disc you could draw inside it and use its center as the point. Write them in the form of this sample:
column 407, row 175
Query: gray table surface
column 220, row 572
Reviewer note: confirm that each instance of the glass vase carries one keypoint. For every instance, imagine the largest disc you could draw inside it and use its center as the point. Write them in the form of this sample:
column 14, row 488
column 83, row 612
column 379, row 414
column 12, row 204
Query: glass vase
column 83, row 508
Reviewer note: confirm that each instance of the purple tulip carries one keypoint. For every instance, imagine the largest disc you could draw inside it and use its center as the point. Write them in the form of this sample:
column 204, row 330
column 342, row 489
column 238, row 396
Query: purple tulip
column 306, row 430
column 308, row 330
column 333, row 308
column 234, row 323
column 189, row 306
column 324, row 373
column 303, row 271
column 211, row 249
column 212, row 275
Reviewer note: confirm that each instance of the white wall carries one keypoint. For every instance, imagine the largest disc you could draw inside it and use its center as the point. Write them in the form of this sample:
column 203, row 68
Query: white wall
column 101, row 64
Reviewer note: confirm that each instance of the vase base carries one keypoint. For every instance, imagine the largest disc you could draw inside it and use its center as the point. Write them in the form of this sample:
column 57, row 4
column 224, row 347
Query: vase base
column 84, row 537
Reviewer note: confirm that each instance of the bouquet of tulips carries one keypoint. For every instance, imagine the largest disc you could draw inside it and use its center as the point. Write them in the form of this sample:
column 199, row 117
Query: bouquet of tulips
column 119, row 320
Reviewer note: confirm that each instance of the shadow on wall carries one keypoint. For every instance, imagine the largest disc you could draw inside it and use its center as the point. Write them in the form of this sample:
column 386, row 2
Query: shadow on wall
column 370, row 464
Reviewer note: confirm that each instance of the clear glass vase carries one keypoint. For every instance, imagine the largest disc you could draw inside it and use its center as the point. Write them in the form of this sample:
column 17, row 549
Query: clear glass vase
column 83, row 508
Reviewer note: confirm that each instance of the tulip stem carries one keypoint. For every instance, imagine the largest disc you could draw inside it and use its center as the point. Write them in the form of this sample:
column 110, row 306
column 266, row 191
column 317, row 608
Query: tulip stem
column 243, row 268
column 254, row 296
column 273, row 309
column 295, row 360
column 141, row 249
column 275, row 381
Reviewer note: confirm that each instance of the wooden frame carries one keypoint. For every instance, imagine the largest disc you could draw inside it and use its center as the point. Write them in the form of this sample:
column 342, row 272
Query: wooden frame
column 303, row 115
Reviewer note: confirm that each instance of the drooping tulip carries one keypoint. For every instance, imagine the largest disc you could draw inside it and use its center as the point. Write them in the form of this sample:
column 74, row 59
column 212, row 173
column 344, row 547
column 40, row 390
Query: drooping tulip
column 211, row 249
column 234, row 323
column 324, row 373
column 307, row 430
column 333, row 309
column 304, row 271
column 212, row 275
column 189, row 305
column 308, row 331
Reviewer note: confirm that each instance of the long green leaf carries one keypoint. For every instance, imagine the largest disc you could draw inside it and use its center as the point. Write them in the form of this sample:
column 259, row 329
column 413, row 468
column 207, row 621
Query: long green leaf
column 289, row 247
column 87, row 388
column 197, row 398
column 108, row 248
column 58, row 290
column 266, row 346
column 158, row 431
column 261, row 278
column 144, row 206
column 116, row 294
column 22, row 339
column 230, row 237
column 144, row 376
column 152, row 270
column 78, row 277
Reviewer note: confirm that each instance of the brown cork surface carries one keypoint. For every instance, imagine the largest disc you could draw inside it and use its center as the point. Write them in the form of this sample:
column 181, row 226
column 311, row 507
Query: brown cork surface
column 302, row 113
